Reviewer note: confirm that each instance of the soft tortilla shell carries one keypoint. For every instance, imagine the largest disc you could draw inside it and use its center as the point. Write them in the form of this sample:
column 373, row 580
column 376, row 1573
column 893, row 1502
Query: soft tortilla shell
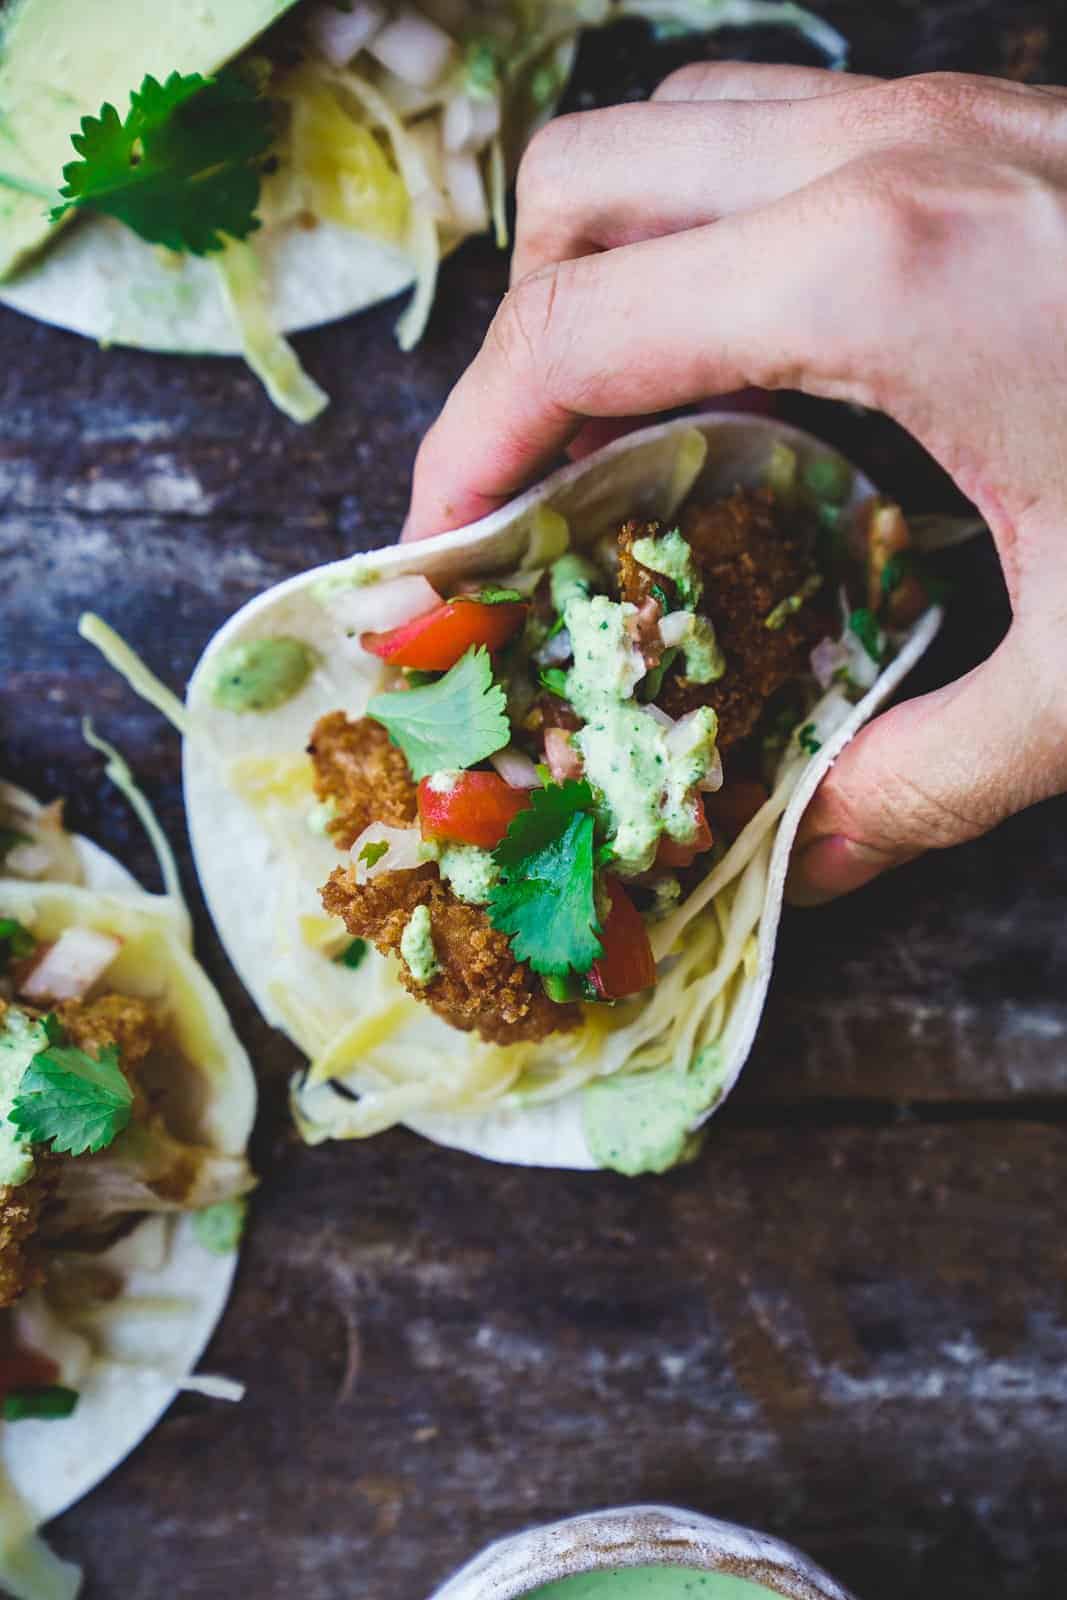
column 633, row 476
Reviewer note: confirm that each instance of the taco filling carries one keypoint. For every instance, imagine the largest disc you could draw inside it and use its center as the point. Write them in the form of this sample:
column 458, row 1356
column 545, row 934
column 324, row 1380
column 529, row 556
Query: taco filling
column 637, row 704
column 97, row 1132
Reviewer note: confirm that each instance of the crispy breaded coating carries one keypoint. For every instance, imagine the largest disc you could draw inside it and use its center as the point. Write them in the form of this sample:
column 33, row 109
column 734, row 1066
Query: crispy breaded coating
column 20, row 1213
column 750, row 561
column 116, row 1019
column 480, row 986
column 359, row 768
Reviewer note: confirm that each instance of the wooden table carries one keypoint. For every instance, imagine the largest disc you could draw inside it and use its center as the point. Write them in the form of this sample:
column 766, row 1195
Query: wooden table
column 847, row 1323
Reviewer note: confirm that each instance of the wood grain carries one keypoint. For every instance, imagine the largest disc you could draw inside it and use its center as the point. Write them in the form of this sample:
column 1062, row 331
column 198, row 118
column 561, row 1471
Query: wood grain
column 846, row 1323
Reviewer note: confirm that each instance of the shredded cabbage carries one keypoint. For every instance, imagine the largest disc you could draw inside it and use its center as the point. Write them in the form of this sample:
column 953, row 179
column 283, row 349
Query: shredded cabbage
column 269, row 354
column 29, row 1570
column 117, row 653
column 707, row 16
column 120, row 775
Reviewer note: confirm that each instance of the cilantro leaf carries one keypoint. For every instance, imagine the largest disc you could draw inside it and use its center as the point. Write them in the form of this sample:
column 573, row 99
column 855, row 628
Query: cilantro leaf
column 50, row 1403
column 807, row 739
column 353, row 955
column 498, row 597
column 71, row 1101
column 373, row 852
column 15, row 942
column 450, row 724
column 864, row 624
column 554, row 679
column 184, row 166
column 545, row 898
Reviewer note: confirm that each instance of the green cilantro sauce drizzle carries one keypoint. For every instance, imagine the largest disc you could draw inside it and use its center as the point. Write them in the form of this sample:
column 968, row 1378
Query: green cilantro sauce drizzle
column 261, row 674
column 20, row 1040
column 646, row 773
column 670, row 555
column 652, row 1583
column 416, row 946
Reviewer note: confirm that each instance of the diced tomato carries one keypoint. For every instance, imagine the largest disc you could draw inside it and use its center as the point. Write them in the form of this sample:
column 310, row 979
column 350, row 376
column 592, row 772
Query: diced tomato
column 627, row 965
column 672, row 853
column 436, row 640
column 24, row 1369
column 476, row 810
column 734, row 805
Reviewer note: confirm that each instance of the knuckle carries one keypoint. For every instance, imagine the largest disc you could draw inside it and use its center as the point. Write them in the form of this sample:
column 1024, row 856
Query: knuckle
column 936, row 104
column 522, row 334
column 547, row 158
column 900, row 223
column 694, row 81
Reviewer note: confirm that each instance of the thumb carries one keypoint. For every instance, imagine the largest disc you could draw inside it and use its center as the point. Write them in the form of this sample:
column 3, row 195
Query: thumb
column 930, row 773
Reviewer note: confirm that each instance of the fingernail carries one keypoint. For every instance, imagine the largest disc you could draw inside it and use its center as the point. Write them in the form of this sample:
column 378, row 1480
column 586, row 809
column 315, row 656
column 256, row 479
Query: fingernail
column 832, row 866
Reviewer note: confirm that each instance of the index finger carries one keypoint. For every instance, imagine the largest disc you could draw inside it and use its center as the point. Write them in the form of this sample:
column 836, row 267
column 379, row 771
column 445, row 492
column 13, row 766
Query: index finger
column 639, row 329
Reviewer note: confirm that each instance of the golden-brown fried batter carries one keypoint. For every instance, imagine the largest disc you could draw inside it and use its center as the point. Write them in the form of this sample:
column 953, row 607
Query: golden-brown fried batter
column 359, row 768
column 113, row 1019
column 750, row 561
column 480, row 985
column 20, row 1213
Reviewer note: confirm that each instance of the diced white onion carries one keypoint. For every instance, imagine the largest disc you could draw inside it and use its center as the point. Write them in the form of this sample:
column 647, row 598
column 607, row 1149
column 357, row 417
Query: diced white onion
column 516, row 768
column 413, row 47
column 466, row 193
column 28, row 860
column 69, row 968
column 374, row 607
column 340, row 35
column 555, row 650
column 713, row 780
column 827, row 656
column 659, row 715
column 405, row 850
column 469, row 124
column 426, row 134
column 675, row 627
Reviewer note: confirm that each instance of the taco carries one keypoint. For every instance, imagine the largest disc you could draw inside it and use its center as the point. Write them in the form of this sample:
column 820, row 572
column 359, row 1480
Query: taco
column 496, row 826
column 343, row 151
column 126, row 1102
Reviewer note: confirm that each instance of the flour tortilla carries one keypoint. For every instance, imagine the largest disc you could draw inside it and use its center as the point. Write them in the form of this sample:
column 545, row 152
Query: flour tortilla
column 50, row 1465
column 256, row 893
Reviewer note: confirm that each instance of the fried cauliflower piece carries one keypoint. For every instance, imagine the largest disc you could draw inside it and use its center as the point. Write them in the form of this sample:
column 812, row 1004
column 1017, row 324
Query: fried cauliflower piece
column 20, row 1215
column 359, row 768
column 750, row 561
column 480, row 985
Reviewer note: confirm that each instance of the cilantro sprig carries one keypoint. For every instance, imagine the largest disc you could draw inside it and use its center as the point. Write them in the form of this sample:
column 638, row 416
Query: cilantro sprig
column 182, row 168
column 72, row 1101
column 49, row 1403
column 451, row 724
column 545, row 898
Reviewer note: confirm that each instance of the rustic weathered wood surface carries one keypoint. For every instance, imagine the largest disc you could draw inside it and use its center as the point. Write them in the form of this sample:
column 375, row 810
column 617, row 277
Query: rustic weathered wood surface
column 847, row 1323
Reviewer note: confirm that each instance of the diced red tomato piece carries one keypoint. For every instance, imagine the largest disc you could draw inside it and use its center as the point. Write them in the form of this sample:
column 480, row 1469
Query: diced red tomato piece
column 734, row 805
column 476, row 810
column 672, row 853
column 25, row 1369
column 627, row 965
column 436, row 640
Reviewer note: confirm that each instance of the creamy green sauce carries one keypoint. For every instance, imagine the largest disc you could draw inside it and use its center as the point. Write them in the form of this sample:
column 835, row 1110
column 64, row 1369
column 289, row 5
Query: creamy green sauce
column 641, row 1121
column 472, row 873
column 645, row 773
column 572, row 578
column 704, row 661
column 671, row 556
column 653, row 1583
column 416, row 946
column 606, row 662
column 20, row 1041
column 261, row 674
column 321, row 815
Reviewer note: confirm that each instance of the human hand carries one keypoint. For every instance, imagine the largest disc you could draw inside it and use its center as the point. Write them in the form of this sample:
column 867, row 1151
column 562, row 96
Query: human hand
column 899, row 244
